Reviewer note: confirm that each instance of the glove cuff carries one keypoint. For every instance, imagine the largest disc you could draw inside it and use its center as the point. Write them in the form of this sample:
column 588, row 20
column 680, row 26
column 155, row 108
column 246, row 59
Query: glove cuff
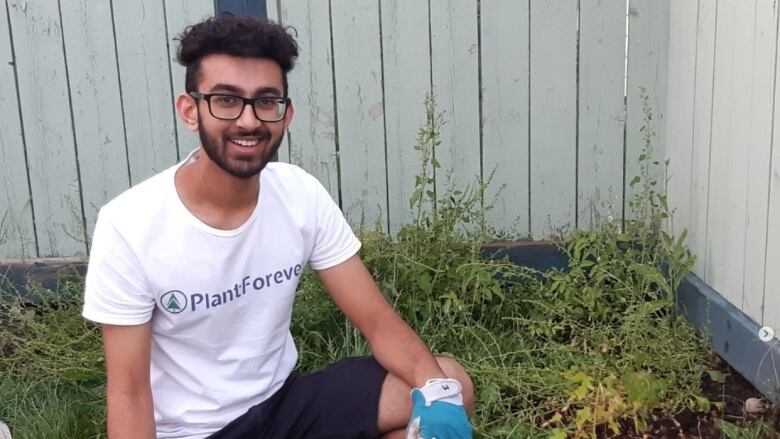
column 442, row 389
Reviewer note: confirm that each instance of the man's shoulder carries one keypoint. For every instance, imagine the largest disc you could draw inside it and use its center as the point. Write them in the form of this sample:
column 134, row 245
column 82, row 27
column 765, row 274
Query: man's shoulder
column 291, row 178
column 140, row 200
column 286, row 171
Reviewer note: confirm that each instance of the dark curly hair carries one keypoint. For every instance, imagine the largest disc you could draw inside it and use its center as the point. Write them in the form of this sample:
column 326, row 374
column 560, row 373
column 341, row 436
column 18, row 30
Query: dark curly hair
column 246, row 37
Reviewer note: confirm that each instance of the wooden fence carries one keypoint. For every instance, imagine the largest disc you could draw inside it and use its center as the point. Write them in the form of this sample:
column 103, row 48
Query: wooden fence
column 546, row 93
column 721, row 130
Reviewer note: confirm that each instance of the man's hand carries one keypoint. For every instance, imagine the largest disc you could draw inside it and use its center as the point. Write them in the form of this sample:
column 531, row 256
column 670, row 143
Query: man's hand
column 437, row 412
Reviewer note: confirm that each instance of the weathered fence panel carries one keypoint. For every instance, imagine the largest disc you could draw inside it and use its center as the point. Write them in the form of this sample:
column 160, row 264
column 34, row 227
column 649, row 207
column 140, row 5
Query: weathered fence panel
column 144, row 74
column 48, row 127
column 178, row 15
column 771, row 293
column 680, row 117
column 455, row 67
column 97, row 104
column 360, row 111
column 758, row 155
column 730, row 131
column 721, row 131
column 17, row 231
column 273, row 13
column 506, row 112
column 702, row 133
column 648, row 38
column 601, row 105
column 407, row 79
column 553, row 116
column 312, row 136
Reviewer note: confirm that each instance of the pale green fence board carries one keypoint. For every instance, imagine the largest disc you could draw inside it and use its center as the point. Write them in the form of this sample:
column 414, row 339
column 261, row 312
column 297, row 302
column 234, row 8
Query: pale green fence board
column 312, row 135
column 553, row 116
column 43, row 90
column 702, row 134
column 274, row 14
column 648, row 37
column 407, row 70
column 360, row 111
column 680, row 110
column 97, row 109
column 771, row 294
column 729, row 163
column 17, row 234
column 601, row 112
column 455, row 69
column 146, row 89
column 758, row 152
column 505, row 59
column 178, row 15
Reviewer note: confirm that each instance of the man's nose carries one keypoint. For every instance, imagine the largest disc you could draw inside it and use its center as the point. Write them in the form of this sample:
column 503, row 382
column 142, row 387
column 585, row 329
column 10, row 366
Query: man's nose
column 247, row 118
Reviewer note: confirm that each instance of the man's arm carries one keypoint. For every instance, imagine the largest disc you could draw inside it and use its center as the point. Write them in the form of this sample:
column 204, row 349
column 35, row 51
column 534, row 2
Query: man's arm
column 394, row 344
column 128, row 392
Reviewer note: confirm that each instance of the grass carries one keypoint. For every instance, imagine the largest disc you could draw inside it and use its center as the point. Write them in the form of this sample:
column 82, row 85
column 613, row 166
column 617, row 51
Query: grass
column 598, row 346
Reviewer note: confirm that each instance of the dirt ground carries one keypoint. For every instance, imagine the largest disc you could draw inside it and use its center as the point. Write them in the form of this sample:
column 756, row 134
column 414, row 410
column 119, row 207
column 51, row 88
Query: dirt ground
column 689, row 424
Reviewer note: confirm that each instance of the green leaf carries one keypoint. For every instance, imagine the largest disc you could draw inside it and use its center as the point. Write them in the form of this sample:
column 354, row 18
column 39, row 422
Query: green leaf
column 583, row 416
column 558, row 433
column 644, row 388
column 682, row 237
column 651, row 274
column 730, row 430
column 703, row 403
column 717, row 376
column 415, row 198
column 424, row 282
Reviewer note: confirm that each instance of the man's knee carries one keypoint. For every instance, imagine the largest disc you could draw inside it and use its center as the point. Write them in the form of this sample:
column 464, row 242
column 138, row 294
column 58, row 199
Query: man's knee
column 454, row 370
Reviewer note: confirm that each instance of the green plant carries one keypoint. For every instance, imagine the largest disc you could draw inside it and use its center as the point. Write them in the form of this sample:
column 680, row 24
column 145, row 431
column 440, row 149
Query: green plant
column 595, row 347
column 759, row 430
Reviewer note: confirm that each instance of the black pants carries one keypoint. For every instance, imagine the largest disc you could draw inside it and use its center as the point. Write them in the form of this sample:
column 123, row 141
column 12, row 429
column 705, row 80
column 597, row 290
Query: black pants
column 339, row 402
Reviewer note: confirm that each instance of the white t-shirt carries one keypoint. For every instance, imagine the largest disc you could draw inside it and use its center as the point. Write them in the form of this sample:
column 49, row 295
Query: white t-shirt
column 219, row 301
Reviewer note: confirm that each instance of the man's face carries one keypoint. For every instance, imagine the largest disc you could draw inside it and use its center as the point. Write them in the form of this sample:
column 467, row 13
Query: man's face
column 241, row 147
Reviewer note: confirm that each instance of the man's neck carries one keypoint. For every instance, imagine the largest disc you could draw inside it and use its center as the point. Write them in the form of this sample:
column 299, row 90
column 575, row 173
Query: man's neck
column 215, row 197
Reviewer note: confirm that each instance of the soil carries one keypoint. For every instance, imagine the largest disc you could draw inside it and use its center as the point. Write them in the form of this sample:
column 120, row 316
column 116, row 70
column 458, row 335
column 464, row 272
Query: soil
column 697, row 424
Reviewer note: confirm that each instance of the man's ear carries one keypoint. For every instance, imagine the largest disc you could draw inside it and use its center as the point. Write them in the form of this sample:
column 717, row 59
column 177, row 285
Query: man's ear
column 187, row 107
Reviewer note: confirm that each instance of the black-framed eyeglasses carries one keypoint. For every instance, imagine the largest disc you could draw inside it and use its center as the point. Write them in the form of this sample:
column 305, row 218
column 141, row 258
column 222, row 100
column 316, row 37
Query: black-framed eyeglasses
column 229, row 107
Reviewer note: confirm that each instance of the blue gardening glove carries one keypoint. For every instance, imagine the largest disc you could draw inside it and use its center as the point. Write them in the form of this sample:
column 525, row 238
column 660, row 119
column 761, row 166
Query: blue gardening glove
column 437, row 412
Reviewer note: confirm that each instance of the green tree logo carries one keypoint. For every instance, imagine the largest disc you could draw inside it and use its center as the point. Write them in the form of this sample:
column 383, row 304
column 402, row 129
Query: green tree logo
column 173, row 301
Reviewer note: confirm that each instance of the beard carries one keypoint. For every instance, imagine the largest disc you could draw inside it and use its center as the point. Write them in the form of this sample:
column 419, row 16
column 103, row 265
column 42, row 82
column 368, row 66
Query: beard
column 216, row 149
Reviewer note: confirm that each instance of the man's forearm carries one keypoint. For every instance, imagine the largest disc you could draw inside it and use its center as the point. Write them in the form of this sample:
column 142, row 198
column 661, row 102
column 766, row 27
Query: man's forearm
column 401, row 351
column 130, row 416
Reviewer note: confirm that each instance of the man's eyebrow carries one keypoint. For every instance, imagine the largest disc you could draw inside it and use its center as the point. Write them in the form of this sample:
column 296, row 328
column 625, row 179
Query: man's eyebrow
column 268, row 91
column 226, row 87
column 239, row 91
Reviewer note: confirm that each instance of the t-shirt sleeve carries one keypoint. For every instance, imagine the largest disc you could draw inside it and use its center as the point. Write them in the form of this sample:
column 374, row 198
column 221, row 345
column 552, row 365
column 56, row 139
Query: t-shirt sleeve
column 334, row 241
column 115, row 291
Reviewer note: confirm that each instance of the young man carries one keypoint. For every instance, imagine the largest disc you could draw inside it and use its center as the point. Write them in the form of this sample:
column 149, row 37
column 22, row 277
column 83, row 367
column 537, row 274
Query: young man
column 193, row 273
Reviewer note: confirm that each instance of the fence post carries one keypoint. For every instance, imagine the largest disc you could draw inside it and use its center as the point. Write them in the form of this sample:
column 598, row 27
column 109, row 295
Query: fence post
column 252, row 8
